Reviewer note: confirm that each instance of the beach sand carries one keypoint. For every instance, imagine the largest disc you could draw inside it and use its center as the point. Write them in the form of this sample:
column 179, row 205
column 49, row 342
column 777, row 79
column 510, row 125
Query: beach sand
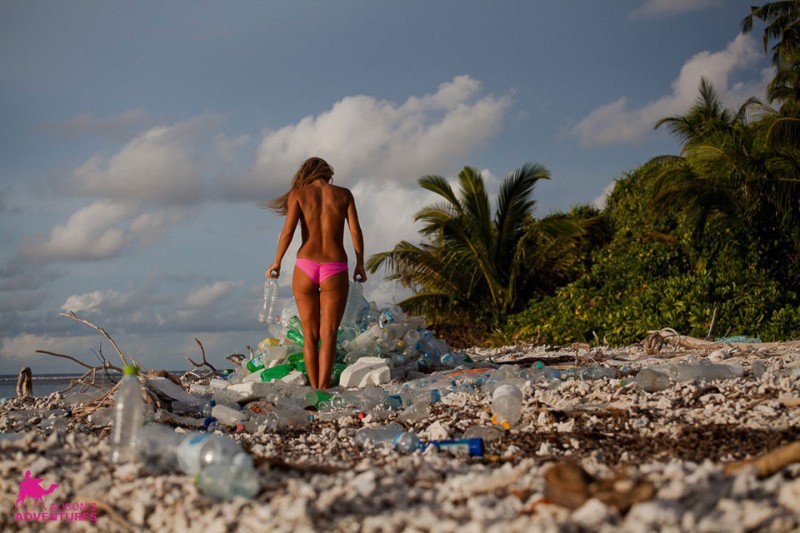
column 675, row 441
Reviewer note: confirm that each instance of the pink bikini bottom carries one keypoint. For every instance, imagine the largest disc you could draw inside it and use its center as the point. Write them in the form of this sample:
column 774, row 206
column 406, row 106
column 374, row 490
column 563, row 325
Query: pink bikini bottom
column 319, row 272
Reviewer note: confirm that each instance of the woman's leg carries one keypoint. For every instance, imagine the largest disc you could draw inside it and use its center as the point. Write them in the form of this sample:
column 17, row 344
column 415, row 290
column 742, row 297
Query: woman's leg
column 332, row 300
column 306, row 294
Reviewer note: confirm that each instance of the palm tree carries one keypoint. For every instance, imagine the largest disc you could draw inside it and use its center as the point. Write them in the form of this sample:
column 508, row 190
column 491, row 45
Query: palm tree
column 782, row 21
column 707, row 115
column 734, row 173
column 475, row 260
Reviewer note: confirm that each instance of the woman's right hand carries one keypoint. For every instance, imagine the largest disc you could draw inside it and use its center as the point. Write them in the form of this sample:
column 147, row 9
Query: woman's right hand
column 276, row 268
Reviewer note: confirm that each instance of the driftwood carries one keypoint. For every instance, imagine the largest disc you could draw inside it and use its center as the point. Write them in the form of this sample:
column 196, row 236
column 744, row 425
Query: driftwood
column 656, row 340
column 204, row 362
column 25, row 383
column 103, row 332
column 236, row 358
column 770, row 462
column 569, row 485
column 88, row 378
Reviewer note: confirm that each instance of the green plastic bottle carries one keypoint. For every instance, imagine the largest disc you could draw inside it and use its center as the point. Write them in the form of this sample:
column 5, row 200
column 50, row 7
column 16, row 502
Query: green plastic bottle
column 295, row 336
column 338, row 368
column 294, row 323
column 300, row 366
column 322, row 397
column 255, row 364
column 276, row 372
column 296, row 358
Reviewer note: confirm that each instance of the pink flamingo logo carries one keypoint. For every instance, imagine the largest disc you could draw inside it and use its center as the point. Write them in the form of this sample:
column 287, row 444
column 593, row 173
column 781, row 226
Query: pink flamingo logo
column 31, row 488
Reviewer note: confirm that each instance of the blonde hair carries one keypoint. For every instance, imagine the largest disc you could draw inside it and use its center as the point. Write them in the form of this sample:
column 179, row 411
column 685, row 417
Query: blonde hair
column 314, row 168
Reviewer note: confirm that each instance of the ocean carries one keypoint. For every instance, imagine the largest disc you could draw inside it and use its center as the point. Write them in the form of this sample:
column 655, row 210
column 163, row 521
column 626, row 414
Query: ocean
column 43, row 384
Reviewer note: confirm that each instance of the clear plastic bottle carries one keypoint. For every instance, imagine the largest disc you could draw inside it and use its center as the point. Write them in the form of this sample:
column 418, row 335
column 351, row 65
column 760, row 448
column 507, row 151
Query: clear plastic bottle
column 267, row 314
column 384, row 435
column 227, row 479
column 506, row 405
column 157, row 447
column 128, row 417
column 228, row 416
column 406, row 442
column 416, row 412
column 197, row 451
column 390, row 435
column 356, row 306
column 650, row 380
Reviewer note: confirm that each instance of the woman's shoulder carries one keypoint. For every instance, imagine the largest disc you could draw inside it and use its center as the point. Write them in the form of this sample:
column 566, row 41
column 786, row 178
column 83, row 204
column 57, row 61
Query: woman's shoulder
column 344, row 191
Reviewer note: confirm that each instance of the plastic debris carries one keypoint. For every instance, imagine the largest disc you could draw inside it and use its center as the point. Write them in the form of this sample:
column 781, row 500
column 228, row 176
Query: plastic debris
column 128, row 417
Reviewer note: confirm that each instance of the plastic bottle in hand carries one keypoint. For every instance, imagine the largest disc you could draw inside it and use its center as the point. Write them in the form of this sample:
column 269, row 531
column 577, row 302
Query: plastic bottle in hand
column 506, row 405
column 356, row 305
column 128, row 417
column 267, row 314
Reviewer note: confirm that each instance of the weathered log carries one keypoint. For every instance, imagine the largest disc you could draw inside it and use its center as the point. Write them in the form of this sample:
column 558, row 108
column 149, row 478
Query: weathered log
column 25, row 383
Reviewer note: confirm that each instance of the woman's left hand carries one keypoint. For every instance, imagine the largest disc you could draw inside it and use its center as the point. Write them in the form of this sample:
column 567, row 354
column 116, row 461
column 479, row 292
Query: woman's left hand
column 276, row 268
column 359, row 274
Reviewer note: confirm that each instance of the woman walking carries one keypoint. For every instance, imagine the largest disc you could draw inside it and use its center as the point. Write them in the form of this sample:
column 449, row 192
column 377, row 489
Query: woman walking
column 319, row 281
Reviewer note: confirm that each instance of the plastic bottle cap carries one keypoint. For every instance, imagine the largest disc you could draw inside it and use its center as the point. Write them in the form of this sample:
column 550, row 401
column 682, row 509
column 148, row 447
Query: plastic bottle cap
column 131, row 370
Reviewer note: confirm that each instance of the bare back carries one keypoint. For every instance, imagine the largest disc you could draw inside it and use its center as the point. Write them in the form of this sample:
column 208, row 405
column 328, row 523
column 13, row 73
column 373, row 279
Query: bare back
column 323, row 211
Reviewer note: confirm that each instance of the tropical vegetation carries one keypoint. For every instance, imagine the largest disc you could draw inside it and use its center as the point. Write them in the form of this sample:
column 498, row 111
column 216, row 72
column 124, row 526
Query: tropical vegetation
column 707, row 237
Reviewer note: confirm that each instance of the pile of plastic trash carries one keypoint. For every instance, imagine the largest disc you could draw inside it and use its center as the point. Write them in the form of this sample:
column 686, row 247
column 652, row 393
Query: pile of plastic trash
column 388, row 365
column 370, row 343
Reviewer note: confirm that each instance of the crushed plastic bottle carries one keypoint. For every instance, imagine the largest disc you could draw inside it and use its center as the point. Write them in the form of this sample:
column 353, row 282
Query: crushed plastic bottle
column 650, row 380
column 416, row 412
column 230, row 478
column 389, row 435
column 506, row 405
column 700, row 371
column 228, row 416
column 406, row 442
column 356, row 306
column 197, row 451
column 384, row 435
column 129, row 412
column 157, row 446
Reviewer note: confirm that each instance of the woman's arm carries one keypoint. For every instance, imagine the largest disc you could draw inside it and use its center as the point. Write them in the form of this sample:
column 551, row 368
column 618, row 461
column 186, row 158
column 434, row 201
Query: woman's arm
column 292, row 217
column 358, row 238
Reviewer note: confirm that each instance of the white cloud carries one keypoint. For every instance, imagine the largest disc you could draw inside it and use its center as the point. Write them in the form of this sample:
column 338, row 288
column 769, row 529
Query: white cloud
column 363, row 137
column 615, row 122
column 665, row 8
column 164, row 164
column 98, row 231
column 89, row 234
column 91, row 301
column 208, row 295
column 600, row 201
column 114, row 125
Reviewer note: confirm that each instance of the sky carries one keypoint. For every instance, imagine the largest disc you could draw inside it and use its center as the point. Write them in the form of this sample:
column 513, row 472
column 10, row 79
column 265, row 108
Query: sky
column 137, row 139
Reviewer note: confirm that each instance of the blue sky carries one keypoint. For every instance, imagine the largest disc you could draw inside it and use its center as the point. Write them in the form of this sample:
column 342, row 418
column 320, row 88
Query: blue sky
column 138, row 138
